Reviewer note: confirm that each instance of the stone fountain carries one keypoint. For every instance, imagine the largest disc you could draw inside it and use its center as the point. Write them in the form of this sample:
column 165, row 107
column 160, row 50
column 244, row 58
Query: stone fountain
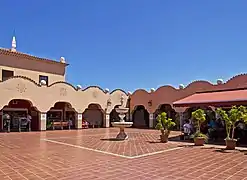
column 122, row 124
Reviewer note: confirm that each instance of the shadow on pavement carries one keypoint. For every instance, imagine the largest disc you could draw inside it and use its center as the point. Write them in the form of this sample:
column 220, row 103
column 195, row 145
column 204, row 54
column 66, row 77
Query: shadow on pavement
column 110, row 139
column 220, row 142
column 155, row 142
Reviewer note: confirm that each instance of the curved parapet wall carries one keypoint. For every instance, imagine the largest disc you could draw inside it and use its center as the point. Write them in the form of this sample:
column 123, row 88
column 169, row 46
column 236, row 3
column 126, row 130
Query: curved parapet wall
column 44, row 97
column 140, row 97
column 168, row 94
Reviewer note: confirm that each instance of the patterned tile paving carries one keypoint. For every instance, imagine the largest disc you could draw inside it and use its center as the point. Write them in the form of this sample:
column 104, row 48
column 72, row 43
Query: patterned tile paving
column 137, row 145
column 28, row 156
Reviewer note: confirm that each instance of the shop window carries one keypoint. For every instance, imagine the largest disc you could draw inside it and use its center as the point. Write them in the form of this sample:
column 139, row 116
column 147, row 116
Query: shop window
column 45, row 78
column 6, row 74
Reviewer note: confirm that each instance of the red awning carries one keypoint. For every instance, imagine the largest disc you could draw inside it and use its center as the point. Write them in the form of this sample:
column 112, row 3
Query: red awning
column 214, row 98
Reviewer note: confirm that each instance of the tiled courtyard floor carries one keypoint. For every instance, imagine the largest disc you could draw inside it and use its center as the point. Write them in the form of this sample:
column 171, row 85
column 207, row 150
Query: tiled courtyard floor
column 92, row 154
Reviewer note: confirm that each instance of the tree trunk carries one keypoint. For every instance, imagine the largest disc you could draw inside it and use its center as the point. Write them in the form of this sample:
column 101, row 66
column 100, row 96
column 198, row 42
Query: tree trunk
column 162, row 132
column 233, row 130
column 199, row 128
column 228, row 130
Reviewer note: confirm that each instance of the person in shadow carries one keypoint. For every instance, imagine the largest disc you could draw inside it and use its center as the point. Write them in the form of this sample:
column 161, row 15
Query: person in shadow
column 212, row 130
column 6, row 120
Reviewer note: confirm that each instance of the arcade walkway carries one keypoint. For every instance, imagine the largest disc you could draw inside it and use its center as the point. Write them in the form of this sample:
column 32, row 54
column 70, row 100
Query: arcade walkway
column 91, row 154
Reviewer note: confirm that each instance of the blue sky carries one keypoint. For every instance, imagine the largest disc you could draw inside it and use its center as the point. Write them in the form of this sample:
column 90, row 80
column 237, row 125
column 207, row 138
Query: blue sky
column 132, row 44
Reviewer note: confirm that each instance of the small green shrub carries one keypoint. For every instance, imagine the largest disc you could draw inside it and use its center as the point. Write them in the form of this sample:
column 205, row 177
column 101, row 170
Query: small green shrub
column 164, row 124
column 199, row 117
column 231, row 118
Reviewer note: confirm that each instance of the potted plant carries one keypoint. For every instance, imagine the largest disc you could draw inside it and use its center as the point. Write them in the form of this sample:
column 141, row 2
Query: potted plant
column 231, row 118
column 48, row 124
column 165, row 125
column 199, row 117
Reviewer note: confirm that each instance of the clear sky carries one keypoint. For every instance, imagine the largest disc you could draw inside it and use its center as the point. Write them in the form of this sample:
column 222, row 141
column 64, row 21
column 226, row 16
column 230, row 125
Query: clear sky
column 132, row 44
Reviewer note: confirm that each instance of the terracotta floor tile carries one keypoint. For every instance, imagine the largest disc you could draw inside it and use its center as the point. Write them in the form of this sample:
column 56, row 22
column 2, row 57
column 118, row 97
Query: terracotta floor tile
column 92, row 154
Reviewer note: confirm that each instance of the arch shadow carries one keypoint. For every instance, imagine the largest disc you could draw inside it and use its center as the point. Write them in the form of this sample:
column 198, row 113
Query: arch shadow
column 140, row 117
column 171, row 113
column 61, row 116
column 94, row 115
column 23, row 116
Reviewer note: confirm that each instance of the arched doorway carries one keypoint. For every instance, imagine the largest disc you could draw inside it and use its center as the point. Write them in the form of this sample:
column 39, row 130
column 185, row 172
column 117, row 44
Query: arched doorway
column 61, row 116
column 140, row 117
column 167, row 108
column 208, row 110
column 94, row 115
column 20, row 112
column 210, row 115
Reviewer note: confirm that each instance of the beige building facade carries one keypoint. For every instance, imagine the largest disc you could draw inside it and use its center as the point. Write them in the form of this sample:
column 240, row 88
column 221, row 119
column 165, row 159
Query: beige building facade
column 36, row 86
column 14, row 63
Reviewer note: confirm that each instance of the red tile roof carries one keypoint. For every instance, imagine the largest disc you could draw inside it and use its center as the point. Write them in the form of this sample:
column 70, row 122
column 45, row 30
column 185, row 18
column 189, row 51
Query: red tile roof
column 213, row 98
column 28, row 56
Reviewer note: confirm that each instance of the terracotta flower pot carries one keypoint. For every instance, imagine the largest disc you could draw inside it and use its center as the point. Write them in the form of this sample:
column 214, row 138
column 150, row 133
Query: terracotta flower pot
column 199, row 141
column 230, row 144
column 164, row 138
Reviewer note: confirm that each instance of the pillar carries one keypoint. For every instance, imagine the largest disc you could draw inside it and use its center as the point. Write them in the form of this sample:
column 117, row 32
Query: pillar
column 181, row 112
column 78, row 121
column 151, row 120
column 107, row 120
column 181, row 120
column 43, row 119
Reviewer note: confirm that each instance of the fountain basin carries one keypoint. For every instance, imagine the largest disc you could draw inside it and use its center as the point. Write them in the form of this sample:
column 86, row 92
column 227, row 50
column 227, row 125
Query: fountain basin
column 122, row 124
column 122, row 110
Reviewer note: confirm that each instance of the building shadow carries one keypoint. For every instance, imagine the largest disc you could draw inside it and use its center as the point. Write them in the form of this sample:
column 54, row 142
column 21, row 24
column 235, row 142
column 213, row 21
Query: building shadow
column 172, row 139
column 155, row 142
column 110, row 139
column 179, row 139
column 224, row 150
column 219, row 142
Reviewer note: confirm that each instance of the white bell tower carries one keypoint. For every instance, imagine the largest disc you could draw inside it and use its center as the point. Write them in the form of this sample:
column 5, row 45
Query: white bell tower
column 13, row 45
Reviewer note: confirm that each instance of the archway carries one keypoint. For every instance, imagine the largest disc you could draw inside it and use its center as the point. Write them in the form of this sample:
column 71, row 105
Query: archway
column 20, row 112
column 210, row 115
column 94, row 115
column 61, row 116
column 167, row 108
column 208, row 110
column 140, row 117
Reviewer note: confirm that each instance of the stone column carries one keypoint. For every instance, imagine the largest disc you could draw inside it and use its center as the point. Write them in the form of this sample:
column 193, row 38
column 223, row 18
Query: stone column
column 78, row 121
column 43, row 119
column 181, row 112
column 151, row 120
column 181, row 120
column 107, row 120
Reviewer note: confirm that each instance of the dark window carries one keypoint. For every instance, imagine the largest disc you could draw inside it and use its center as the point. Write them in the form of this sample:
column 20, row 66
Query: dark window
column 43, row 78
column 7, row 74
